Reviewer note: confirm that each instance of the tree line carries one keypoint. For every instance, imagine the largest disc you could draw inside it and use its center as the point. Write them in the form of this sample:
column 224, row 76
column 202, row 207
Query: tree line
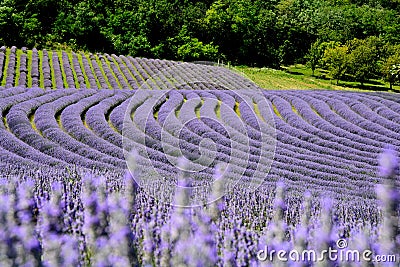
column 251, row 32
column 361, row 59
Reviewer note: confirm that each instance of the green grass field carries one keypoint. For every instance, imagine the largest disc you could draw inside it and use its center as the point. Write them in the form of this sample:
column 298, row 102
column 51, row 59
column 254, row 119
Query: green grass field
column 300, row 77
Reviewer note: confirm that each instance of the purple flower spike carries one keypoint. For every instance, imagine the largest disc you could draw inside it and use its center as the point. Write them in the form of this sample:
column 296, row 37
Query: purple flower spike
column 388, row 162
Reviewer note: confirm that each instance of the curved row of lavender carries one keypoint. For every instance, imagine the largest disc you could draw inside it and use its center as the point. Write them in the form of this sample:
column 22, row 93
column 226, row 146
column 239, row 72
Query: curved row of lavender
column 324, row 143
column 64, row 142
column 61, row 69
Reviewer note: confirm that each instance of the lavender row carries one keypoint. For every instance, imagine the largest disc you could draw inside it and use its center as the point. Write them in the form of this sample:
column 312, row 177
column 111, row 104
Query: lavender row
column 326, row 164
column 311, row 169
column 72, row 116
column 330, row 132
column 35, row 68
column 98, row 119
column 295, row 135
column 11, row 68
column 324, row 112
column 14, row 145
column 121, row 78
column 79, row 73
column 2, row 61
column 379, row 106
column 109, row 73
column 125, row 72
column 23, row 70
column 57, row 71
column 97, row 71
column 93, row 127
column 87, row 70
column 48, row 84
column 287, row 135
column 137, row 77
column 46, row 123
column 366, row 112
column 358, row 121
column 68, row 71
column 21, row 127
column 188, row 136
column 312, row 134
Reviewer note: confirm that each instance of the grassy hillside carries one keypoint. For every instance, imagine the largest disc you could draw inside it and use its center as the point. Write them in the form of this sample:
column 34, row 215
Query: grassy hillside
column 299, row 77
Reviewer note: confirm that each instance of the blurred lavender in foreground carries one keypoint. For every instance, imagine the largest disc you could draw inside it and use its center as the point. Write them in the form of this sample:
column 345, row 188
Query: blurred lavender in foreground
column 388, row 194
column 388, row 163
column 77, row 219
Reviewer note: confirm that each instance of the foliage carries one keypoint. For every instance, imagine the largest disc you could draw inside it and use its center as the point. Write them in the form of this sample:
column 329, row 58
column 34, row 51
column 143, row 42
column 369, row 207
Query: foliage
column 391, row 66
column 314, row 55
column 259, row 33
column 337, row 61
column 188, row 48
column 364, row 58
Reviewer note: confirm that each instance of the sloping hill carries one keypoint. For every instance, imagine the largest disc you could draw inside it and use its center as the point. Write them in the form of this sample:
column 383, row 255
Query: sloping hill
column 61, row 69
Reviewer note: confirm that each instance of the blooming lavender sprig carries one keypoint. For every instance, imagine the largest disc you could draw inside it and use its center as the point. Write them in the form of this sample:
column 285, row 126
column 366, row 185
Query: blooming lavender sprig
column 106, row 225
column 181, row 219
column 274, row 236
column 324, row 234
column 19, row 237
column 60, row 248
column 389, row 196
column 388, row 163
column 301, row 233
column 95, row 214
column 217, row 197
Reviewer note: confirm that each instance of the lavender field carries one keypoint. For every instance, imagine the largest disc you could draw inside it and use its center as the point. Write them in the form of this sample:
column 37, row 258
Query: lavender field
column 117, row 161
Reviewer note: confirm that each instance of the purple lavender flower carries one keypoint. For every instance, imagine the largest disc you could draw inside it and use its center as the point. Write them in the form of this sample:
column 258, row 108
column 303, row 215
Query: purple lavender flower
column 388, row 162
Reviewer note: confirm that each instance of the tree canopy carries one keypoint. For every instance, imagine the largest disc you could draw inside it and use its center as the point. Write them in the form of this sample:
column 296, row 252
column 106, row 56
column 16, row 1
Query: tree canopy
column 251, row 32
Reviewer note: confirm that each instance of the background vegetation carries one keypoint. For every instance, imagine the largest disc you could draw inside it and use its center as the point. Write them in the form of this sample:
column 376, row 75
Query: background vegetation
column 353, row 39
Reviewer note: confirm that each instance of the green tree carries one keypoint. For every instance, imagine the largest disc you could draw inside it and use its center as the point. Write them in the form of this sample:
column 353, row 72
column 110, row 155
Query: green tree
column 127, row 33
column 391, row 66
column 393, row 75
column 314, row 55
column 337, row 61
column 23, row 22
column 346, row 21
column 187, row 48
column 296, row 28
column 364, row 58
column 84, row 23
column 244, row 30
column 7, row 25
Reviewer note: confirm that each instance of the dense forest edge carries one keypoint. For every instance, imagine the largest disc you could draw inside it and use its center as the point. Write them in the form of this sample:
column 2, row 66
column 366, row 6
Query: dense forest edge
column 352, row 40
